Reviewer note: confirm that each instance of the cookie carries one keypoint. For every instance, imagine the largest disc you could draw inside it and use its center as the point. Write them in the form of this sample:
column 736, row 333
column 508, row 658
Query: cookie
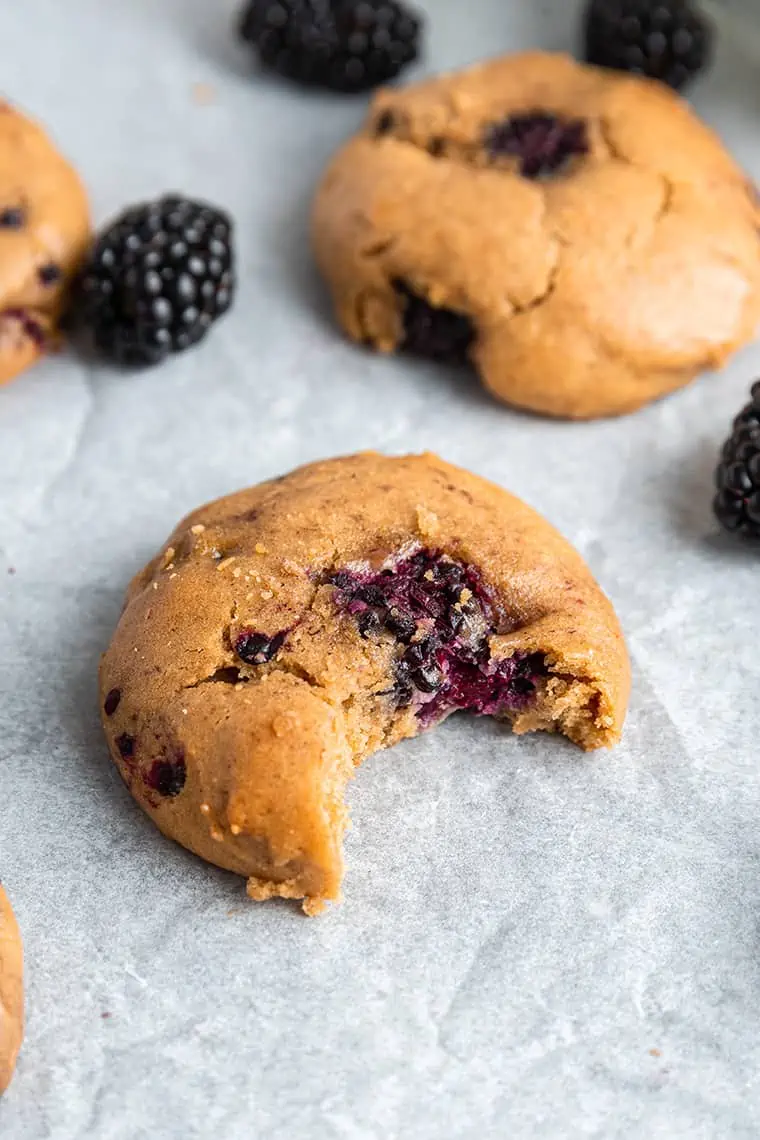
column 44, row 233
column 287, row 632
column 11, row 992
column 578, row 235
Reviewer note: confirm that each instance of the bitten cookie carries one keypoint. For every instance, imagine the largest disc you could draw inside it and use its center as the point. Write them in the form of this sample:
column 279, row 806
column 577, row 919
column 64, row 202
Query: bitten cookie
column 577, row 234
column 44, row 232
column 287, row 632
column 11, row 992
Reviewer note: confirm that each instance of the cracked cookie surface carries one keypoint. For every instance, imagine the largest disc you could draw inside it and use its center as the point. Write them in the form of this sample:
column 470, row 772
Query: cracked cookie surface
column 287, row 632
column 44, row 233
column 11, row 992
column 578, row 235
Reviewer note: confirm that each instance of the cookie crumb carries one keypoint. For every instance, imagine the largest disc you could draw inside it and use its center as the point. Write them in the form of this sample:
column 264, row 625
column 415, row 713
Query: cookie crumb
column 197, row 529
column 655, row 1052
column 203, row 94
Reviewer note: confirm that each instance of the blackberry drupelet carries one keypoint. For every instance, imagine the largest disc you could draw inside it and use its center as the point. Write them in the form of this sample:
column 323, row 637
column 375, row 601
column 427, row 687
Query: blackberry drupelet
column 668, row 40
column 157, row 279
column 345, row 45
column 737, row 502
column 438, row 334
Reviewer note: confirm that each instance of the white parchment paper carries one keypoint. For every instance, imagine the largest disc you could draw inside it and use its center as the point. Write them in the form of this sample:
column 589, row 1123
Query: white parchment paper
column 534, row 943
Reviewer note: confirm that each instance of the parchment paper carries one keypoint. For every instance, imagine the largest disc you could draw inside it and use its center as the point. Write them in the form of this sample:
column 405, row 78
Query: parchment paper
column 533, row 943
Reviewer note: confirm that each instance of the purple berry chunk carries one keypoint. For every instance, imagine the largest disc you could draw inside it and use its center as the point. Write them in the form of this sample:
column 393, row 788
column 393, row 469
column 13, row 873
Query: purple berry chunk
column 12, row 218
column 50, row 273
column 111, row 703
column 438, row 334
column 258, row 648
column 542, row 143
column 167, row 776
column 441, row 616
column 126, row 745
column 31, row 327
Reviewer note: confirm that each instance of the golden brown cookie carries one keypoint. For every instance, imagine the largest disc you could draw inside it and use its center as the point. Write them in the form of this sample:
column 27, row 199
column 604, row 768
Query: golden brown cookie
column 44, row 232
column 578, row 234
column 288, row 631
column 11, row 992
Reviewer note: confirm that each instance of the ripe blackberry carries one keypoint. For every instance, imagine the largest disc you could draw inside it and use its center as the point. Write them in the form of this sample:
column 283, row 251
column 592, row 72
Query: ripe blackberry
column 737, row 503
column 157, row 279
column 346, row 45
column 664, row 39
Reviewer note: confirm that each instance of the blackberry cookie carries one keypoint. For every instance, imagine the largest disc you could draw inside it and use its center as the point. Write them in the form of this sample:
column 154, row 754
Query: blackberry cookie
column 576, row 233
column 287, row 632
column 44, row 232
column 11, row 992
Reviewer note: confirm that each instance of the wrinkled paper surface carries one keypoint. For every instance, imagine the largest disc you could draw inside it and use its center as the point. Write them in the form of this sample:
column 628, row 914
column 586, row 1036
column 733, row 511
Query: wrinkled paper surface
column 534, row 943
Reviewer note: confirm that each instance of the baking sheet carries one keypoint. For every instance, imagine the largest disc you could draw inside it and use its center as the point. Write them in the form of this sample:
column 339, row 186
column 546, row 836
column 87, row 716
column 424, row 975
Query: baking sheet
column 533, row 943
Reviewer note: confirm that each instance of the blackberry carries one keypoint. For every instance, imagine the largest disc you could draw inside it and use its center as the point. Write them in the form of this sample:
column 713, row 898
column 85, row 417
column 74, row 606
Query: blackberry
column 345, row 45
column 737, row 502
column 157, row 279
column 542, row 143
column 440, row 614
column 258, row 648
column 438, row 334
column 667, row 40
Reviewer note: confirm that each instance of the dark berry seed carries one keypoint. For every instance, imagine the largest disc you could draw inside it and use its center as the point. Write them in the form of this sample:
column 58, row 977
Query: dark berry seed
column 369, row 623
column 400, row 625
column 50, row 273
column 385, row 123
column 12, row 218
column 111, row 703
column 428, row 678
column 167, row 776
column 126, row 745
column 258, row 648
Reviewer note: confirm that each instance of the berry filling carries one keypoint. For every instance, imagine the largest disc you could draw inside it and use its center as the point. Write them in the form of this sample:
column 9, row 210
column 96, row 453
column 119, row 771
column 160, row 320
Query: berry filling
column 111, row 703
column 258, row 648
column 442, row 617
column 12, row 218
column 167, row 776
column 438, row 334
column 126, row 745
column 30, row 326
column 50, row 273
column 542, row 143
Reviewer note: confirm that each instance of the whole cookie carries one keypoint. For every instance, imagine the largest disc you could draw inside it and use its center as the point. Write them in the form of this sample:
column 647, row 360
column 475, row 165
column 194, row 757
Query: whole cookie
column 578, row 234
column 287, row 632
column 11, row 992
column 44, row 232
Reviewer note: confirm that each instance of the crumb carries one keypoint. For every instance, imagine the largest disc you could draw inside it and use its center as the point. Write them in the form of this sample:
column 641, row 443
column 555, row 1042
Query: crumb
column 655, row 1052
column 203, row 94
column 105, row 1015
column 260, row 548
column 197, row 529
column 11, row 569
